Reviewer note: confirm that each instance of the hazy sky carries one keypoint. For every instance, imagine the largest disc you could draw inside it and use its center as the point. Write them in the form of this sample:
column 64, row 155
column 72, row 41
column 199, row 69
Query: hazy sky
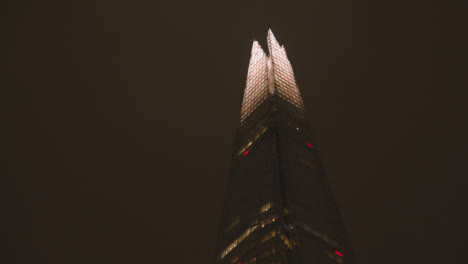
column 122, row 114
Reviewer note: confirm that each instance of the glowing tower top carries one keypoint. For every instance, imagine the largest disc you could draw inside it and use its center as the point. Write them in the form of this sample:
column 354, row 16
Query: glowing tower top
column 268, row 75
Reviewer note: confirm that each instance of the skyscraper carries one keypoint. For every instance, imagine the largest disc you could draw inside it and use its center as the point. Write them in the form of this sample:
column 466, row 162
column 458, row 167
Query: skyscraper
column 278, row 206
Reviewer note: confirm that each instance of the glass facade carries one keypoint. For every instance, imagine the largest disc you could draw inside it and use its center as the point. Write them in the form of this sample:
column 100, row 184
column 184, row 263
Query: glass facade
column 278, row 206
column 256, row 89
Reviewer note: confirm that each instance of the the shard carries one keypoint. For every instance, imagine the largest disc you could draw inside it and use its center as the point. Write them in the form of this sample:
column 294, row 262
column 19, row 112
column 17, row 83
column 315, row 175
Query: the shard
column 278, row 206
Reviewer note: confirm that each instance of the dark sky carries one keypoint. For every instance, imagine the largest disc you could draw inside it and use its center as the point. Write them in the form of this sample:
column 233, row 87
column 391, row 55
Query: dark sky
column 122, row 114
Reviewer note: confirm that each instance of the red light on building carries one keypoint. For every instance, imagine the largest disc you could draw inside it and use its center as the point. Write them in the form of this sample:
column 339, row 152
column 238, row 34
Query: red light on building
column 310, row 145
column 338, row 253
column 245, row 153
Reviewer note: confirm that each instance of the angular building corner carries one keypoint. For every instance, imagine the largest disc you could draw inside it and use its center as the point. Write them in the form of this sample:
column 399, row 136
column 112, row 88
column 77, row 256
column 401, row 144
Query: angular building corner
column 278, row 206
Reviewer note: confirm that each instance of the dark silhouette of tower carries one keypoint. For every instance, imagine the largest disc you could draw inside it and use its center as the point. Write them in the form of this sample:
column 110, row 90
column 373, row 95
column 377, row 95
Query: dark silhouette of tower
column 278, row 206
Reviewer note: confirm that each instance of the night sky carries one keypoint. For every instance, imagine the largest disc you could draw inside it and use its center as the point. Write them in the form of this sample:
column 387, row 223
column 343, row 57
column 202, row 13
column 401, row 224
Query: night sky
column 122, row 117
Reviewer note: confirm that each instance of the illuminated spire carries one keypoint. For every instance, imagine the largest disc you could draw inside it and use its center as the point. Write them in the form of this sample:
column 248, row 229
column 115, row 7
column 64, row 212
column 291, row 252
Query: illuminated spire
column 285, row 82
column 269, row 75
column 256, row 89
column 273, row 44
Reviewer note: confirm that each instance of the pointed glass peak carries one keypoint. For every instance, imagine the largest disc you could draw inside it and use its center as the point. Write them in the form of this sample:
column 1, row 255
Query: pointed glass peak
column 268, row 75
column 256, row 47
column 270, row 33
column 272, row 42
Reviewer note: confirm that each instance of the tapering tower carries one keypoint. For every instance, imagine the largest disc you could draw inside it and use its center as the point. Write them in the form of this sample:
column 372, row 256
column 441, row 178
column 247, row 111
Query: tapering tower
column 278, row 207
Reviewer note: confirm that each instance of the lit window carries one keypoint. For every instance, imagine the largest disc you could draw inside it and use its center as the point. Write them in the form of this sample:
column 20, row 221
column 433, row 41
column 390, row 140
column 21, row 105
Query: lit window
column 287, row 242
column 267, row 221
column 238, row 240
column 268, row 236
column 246, row 234
column 266, row 207
column 254, row 138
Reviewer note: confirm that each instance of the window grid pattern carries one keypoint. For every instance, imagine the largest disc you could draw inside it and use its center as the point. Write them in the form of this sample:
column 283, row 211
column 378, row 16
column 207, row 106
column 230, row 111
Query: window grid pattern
column 256, row 90
column 285, row 82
